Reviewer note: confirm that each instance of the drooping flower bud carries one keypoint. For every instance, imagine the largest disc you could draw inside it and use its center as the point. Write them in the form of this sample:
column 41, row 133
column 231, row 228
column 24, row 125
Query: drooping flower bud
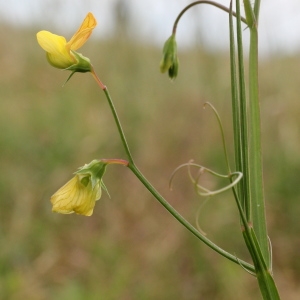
column 170, row 60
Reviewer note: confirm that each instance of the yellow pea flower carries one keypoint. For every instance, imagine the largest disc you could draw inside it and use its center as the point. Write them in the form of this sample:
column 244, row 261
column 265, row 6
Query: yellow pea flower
column 74, row 196
column 82, row 191
column 61, row 54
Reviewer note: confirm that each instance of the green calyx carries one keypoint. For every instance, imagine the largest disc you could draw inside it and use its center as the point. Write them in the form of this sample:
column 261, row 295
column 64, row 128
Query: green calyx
column 94, row 171
column 82, row 65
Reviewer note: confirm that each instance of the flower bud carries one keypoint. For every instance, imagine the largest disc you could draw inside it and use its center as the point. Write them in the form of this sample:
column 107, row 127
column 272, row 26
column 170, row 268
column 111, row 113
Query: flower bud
column 170, row 60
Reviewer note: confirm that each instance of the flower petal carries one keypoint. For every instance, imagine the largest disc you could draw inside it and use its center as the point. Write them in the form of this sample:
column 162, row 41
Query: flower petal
column 50, row 42
column 83, row 33
column 76, row 197
column 55, row 46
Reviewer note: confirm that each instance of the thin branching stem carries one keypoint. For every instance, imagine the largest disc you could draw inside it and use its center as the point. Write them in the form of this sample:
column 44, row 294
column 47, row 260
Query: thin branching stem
column 115, row 115
column 156, row 194
column 216, row 4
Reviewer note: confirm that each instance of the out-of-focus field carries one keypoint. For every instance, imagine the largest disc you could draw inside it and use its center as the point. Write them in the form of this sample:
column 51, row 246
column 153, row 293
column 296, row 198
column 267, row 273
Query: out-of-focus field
column 131, row 248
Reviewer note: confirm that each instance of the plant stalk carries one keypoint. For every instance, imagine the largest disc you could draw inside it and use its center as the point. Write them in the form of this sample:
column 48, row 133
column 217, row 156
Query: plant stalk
column 157, row 195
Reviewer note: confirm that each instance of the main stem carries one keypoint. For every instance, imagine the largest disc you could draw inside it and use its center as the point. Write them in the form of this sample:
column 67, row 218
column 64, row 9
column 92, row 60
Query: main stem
column 256, row 172
column 253, row 147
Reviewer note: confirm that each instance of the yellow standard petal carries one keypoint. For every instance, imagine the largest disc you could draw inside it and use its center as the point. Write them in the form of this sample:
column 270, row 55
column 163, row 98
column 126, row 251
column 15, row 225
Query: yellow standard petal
column 76, row 197
column 55, row 46
column 83, row 33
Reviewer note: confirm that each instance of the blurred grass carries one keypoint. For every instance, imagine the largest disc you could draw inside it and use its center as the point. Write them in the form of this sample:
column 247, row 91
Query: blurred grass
column 131, row 248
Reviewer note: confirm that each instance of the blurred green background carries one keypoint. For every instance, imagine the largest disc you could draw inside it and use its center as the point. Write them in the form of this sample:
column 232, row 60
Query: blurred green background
column 131, row 248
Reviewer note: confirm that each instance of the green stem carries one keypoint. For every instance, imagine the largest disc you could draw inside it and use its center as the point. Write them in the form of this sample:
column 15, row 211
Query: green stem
column 216, row 4
column 255, row 179
column 120, row 129
column 115, row 115
column 236, row 109
column 256, row 172
column 243, row 119
column 255, row 237
column 156, row 194
column 256, row 10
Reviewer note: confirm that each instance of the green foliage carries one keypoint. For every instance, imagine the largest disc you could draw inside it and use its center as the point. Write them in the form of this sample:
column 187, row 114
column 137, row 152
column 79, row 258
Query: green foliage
column 122, row 252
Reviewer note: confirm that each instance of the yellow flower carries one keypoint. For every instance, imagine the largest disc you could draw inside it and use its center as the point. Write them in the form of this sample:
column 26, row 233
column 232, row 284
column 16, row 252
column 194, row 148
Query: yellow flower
column 76, row 197
column 82, row 191
column 61, row 54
